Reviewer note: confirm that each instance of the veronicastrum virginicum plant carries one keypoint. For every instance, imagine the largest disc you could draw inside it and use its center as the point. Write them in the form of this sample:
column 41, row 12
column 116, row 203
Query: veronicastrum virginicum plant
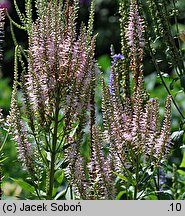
column 137, row 144
column 56, row 85
column 127, row 156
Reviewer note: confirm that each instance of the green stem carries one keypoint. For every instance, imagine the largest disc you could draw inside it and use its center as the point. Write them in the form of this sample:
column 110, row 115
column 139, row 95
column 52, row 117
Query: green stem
column 53, row 152
column 176, row 24
column 137, row 177
column 36, row 190
column 156, row 179
column 158, row 182
column 71, row 193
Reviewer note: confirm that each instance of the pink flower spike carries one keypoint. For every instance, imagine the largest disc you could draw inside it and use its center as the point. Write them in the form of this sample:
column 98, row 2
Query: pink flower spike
column 5, row 4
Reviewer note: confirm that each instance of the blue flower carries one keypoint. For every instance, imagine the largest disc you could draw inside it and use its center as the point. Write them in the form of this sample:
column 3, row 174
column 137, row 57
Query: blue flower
column 111, row 83
column 116, row 57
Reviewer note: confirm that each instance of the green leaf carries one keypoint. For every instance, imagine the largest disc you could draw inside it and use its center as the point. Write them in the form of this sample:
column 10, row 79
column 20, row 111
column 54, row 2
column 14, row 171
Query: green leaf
column 182, row 196
column 59, row 176
column 130, row 175
column 151, row 197
column 181, row 172
column 59, row 164
column 120, row 194
column 2, row 160
column 122, row 177
column 166, row 195
column 172, row 83
column 24, row 185
column 182, row 165
column 60, row 194
column 72, row 133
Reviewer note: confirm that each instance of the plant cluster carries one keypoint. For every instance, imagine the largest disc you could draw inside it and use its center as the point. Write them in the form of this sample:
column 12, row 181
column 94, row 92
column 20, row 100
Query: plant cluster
column 131, row 132
column 55, row 116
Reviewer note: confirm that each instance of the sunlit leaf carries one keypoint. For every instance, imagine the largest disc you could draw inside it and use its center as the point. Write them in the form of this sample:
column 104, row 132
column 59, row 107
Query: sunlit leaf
column 182, row 165
column 122, row 177
column 24, row 185
column 59, row 176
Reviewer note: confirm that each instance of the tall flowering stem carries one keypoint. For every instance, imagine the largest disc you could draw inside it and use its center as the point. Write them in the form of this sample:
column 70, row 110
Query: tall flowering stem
column 125, row 66
column 56, row 90
column 135, row 39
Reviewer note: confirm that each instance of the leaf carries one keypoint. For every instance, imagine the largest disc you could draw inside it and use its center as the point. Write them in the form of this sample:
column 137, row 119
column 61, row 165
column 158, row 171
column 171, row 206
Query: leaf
column 166, row 195
column 181, row 172
column 165, row 75
column 130, row 175
column 172, row 83
column 163, row 195
column 60, row 194
column 151, row 197
column 120, row 194
column 59, row 164
column 177, row 135
column 182, row 196
column 48, row 156
column 2, row 160
column 59, row 176
column 24, row 185
column 159, row 60
column 182, row 165
column 72, row 133
column 68, row 194
column 121, row 176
